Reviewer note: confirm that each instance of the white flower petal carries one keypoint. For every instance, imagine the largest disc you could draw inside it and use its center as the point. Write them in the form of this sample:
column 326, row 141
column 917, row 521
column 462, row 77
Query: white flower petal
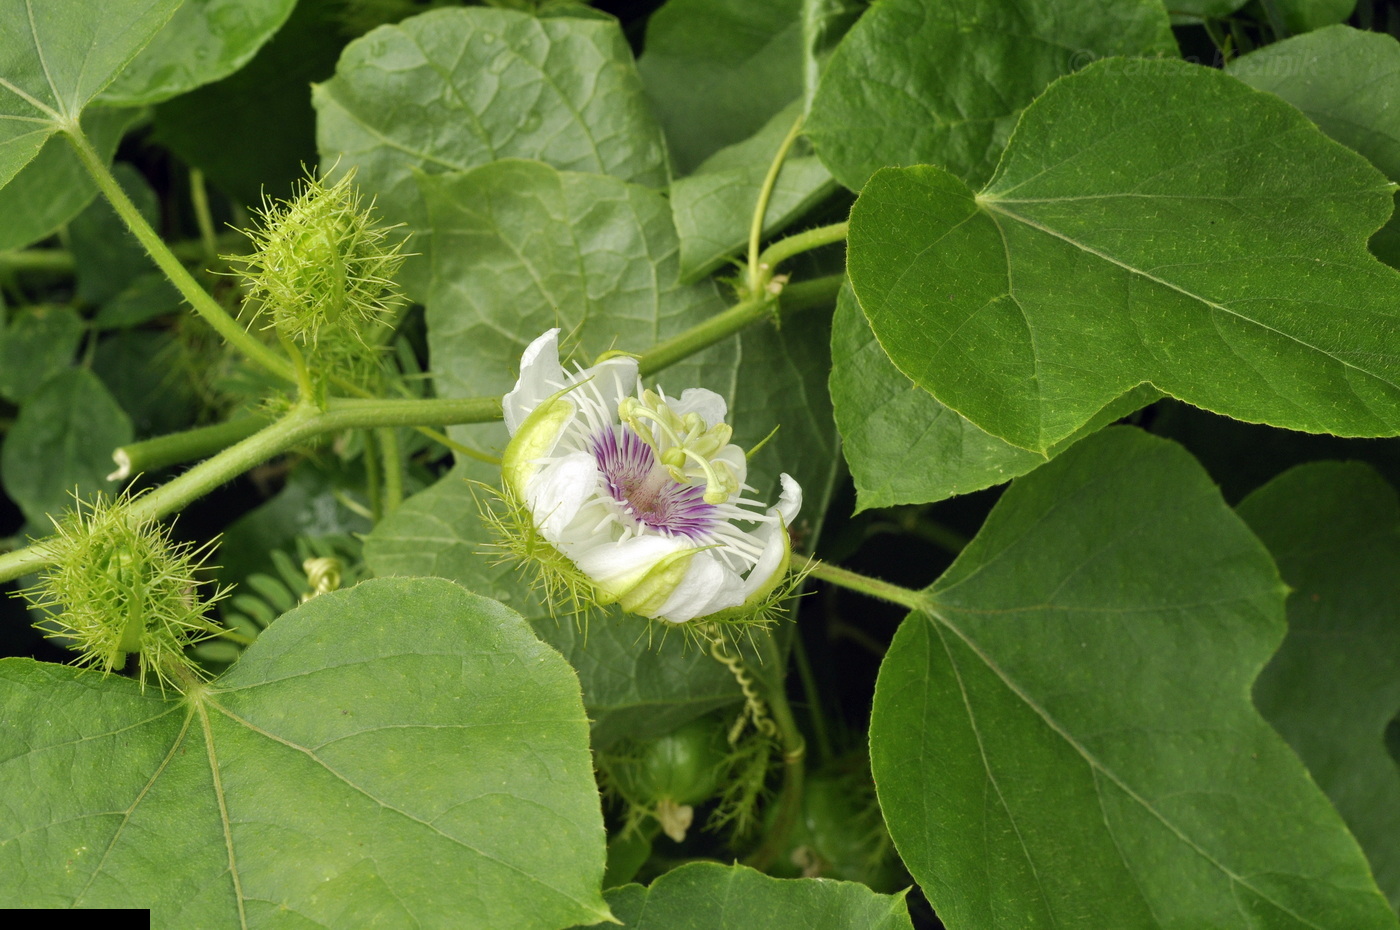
column 707, row 403
column 708, row 586
column 540, row 376
column 772, row 560
column 616, row 564
column 559, row 490
column 790, row 501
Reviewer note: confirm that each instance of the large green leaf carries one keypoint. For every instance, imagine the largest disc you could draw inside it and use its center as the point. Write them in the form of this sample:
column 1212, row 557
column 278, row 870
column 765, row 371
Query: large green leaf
column 205, row 40
column 1151, row 222
column 714, row 206
column 55, row 56
column 54, row 187
column 902, row 445
column 717, row 897
column 633, row 684
column 38, row 343
column 1334, row 685
column 1063, row 736
column 453, row 89
column 61, row 443
column 718, row 70
column 402, row 753
column 1346, row 81
column 942, row 83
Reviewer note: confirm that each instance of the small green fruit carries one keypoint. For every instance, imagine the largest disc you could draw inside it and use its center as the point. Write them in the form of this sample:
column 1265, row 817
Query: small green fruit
column 683, row 767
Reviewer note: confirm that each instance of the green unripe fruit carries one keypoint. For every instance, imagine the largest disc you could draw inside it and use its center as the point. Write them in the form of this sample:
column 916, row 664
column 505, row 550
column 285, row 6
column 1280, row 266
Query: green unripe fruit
column 683, row 767
column 841, row 834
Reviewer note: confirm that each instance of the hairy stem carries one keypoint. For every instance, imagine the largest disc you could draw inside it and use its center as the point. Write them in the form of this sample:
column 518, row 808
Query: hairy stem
column 174, row 448
column 783, row 249
column 794, row 747
column 758, row 272
column 393, row 469
column 872, row 587
column 794, row 298
column 303, row 423
column 204, row 304
column 199, row 199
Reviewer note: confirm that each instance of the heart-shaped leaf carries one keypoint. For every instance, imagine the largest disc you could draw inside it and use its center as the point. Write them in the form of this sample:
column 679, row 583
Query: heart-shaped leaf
column 1063, row 736
column 55, row 56
column 1152, row 221
column 902, row 445
column 942, row 83
column 402, row 753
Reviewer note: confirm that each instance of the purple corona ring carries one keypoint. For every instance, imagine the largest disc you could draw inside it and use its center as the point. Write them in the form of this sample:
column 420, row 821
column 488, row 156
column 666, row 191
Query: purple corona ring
column 643, row 493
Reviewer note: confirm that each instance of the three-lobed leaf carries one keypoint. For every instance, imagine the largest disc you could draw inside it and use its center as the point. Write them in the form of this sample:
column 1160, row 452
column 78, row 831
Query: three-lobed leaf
column 1345, row 80
column 1334, row 684
column 1155, row 222
column 204, row 41
column 453, row 89
column 1063, row 736
column 55, row 56
column 943, row 83
column 402, row 753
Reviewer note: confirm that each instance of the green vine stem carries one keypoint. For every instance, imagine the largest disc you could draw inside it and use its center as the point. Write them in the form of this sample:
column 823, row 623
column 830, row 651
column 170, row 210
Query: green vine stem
column 871, row 587
column 61, row 261
column 393, row 468
column 758, row 272
column 53, row 261
column 174, row 448
column 199, row 199
column 783, row 249
column 303, row 423
column 204, row 304
column 794, row 748
column 794, row 298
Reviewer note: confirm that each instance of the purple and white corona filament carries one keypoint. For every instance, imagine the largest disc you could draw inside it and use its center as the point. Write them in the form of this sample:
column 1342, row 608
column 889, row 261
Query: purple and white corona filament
column 643, row 493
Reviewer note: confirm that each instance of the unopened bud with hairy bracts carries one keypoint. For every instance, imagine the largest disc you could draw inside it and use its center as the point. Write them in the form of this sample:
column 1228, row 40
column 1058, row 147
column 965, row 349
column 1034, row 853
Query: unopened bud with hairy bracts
column 322, row 271
column 119, row 585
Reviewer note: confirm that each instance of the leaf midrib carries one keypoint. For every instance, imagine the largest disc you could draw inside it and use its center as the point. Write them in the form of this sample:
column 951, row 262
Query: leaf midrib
column 933, row 613
column 992, row 206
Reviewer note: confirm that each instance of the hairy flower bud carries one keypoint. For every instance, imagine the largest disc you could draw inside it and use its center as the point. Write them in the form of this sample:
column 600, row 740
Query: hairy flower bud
column 118, row 585
column 322, row 272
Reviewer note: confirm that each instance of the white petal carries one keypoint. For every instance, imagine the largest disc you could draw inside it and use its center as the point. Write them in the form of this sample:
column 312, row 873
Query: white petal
column 708, row 587
column 614, row 563
column 540, row 376
column 775, row 546
column 558, row 490
column 707, row 403
column 790, row 502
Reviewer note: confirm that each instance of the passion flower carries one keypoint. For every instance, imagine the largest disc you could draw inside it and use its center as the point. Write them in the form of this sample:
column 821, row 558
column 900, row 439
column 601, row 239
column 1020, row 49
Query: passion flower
column 642, row 494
